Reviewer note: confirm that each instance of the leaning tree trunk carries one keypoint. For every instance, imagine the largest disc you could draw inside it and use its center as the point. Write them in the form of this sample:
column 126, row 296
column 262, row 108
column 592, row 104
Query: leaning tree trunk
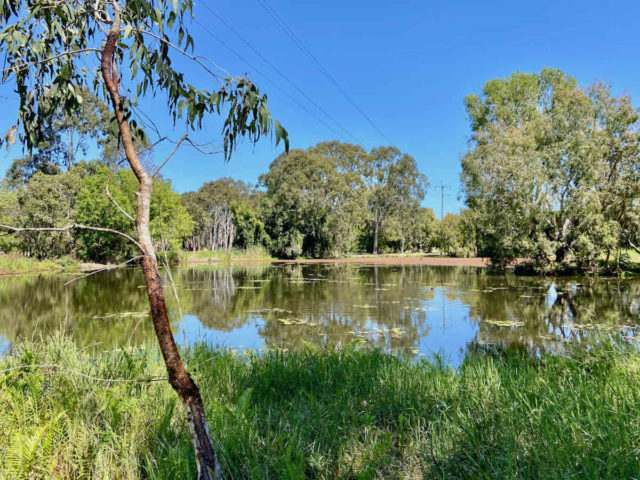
column 209, row 467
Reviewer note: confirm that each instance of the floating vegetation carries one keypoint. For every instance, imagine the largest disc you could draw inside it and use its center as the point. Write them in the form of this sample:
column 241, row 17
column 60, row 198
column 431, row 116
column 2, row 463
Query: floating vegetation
column 297, row 321
column 364, row 306
column 547, row 337
column 374, row 332
column 603, row 327
column 122, row 315
column 396, row 332
column 270, row 310
column 505, row 323
column 418, row 309
column 248, row 288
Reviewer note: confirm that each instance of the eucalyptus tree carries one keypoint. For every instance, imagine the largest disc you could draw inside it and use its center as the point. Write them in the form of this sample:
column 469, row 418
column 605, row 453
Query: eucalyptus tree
column 315, row 200
column 66, row 139
column 213, row 209
column 423, row 229
column 552, row 172
column 395, row 186
column 47, row 46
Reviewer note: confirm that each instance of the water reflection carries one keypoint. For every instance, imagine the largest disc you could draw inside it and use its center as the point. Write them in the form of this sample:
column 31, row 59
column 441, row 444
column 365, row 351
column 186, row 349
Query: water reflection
column 413, row 309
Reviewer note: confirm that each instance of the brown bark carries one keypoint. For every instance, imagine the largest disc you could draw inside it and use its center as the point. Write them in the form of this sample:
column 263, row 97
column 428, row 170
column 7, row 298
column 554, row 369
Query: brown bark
column 209, row 467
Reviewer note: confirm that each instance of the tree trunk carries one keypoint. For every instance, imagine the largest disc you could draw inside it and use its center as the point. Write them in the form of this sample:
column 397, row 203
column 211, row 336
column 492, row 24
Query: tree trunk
column 375, row 237
column 70, row 149
column 209, row 467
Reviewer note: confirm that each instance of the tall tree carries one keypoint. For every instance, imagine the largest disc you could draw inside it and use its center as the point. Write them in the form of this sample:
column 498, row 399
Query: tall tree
column 45, row 41
column 314, row 200
column 552, row 172
column 394, row 185
column 212, row 207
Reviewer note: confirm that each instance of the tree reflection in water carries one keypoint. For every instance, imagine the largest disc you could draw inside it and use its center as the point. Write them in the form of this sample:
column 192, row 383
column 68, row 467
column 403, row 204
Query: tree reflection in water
column 412, row 309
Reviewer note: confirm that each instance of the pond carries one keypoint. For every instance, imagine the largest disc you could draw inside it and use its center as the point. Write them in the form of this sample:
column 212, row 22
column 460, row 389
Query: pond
column 412, row 309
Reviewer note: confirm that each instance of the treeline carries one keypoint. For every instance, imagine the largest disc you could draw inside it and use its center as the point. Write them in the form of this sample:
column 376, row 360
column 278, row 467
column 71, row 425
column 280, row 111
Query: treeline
column 552, row 175
column 78, row 195
column 329, row 200
column 55, row 185
column 553, row 172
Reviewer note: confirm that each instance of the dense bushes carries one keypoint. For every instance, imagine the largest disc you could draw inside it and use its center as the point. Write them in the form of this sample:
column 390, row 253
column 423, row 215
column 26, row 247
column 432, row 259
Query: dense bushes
column 78, row 196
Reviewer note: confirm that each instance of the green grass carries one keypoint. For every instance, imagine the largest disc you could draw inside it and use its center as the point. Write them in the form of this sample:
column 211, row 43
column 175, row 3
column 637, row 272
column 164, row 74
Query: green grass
column 347, row 413
column 16, row 263
column 225, row 256
column 396, row 255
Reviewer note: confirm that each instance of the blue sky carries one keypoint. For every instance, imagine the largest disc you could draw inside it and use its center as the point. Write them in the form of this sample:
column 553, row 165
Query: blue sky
column 408, row 65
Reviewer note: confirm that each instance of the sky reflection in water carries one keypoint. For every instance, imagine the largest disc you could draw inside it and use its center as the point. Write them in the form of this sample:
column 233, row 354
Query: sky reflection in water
column 416, row 310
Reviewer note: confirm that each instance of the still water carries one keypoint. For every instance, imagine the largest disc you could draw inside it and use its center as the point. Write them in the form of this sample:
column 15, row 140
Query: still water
column 414, row 309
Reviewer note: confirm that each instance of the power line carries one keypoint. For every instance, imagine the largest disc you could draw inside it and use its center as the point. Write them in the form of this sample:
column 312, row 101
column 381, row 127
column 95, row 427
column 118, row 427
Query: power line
column 279, row 72
column 318, row 65
column 293, row 99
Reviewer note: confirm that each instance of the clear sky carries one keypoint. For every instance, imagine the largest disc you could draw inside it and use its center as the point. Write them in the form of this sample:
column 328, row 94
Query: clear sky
column 407, row 65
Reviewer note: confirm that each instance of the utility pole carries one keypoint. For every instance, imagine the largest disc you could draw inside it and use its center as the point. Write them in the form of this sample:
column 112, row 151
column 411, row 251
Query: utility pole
column 442, row 187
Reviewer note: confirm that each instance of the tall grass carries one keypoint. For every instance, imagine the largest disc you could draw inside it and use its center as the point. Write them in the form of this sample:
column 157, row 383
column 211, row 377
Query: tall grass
column 16, row 263
column 341, row 413
column 256, row 253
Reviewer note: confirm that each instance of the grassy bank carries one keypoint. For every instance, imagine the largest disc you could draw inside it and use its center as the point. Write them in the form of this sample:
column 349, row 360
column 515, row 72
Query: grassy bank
column 224, row 256
column 347, row 413
column 15, row 263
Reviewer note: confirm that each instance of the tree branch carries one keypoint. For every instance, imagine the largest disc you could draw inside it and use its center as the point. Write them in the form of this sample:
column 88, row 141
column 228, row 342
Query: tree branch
column 113, row 200
column 12, row 229
column 195, row 58
column 110, row 267
column 175, row 149
column 48, row 59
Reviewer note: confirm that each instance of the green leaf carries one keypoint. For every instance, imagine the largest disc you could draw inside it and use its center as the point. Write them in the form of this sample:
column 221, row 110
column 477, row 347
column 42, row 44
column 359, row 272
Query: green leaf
column 281, row 134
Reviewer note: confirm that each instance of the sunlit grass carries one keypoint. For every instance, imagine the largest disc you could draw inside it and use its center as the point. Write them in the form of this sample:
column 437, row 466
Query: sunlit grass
column 225, row 256
column 16, row 263
column 324, row 413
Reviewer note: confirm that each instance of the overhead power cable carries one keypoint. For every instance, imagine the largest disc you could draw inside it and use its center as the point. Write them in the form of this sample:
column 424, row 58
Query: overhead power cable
column 293, row 99
column 279, row 72
column 318, row 65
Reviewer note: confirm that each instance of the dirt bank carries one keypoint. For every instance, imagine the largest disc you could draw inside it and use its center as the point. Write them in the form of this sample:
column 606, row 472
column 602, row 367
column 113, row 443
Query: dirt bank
column 410, row 260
